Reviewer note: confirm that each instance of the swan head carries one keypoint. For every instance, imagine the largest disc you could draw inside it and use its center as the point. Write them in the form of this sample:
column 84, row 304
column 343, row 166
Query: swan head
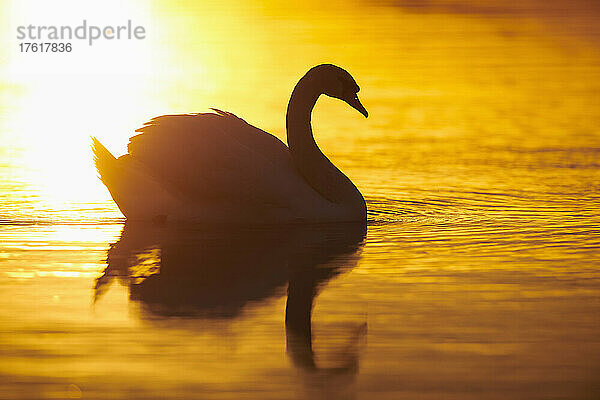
column 338, row 83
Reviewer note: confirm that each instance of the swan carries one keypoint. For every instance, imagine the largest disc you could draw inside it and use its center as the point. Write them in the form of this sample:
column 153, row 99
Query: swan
column 215, row 167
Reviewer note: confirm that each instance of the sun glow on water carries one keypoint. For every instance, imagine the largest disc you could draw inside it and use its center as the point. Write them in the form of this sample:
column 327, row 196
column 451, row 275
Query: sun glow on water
column 64, row 98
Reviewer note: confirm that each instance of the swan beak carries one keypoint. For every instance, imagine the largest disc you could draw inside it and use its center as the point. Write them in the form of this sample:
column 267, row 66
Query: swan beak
column 355, row 103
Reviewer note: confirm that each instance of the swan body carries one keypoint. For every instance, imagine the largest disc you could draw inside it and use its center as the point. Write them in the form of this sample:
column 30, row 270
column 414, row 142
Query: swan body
column 215, row 167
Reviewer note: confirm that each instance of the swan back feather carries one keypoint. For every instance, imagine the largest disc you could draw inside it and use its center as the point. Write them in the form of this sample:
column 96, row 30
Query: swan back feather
column 212, row 157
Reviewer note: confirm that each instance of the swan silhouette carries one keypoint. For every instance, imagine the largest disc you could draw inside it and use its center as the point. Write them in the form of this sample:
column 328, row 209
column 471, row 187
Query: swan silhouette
column 215, row 167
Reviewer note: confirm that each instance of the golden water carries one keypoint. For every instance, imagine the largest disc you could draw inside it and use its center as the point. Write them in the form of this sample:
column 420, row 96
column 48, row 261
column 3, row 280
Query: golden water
column 478, row 277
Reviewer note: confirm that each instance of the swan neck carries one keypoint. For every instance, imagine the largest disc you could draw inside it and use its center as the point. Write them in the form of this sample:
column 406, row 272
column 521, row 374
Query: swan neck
column 298, row 118
column 313, row 165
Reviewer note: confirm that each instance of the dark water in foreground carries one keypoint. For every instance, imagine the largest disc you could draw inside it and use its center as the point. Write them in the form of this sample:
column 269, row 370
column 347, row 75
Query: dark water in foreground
column 478, row 275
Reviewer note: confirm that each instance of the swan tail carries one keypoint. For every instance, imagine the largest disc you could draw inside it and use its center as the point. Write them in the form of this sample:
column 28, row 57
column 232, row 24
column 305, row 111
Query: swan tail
column 106, row 163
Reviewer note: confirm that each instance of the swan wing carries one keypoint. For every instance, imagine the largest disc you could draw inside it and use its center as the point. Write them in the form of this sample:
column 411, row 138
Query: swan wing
column 215, row 157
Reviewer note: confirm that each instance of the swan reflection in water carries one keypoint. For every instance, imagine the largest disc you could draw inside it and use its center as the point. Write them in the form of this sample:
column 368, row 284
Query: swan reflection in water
column 213, row 272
